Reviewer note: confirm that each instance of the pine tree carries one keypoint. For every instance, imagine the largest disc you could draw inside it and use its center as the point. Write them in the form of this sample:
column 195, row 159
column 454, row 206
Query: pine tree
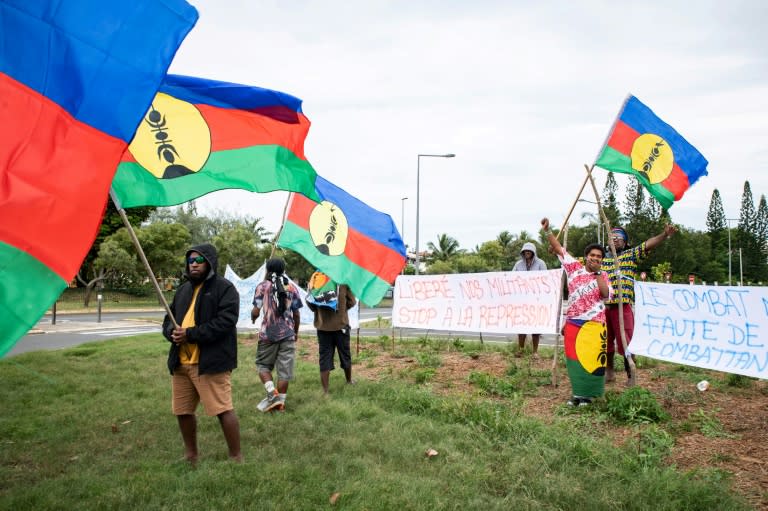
column 718, row 238
column 761, row 224
column 747, row 213
column 716, row 216
column 653, row 208
column 634, row 201
column 609, row 200
column 750, row 245
column 761, row 230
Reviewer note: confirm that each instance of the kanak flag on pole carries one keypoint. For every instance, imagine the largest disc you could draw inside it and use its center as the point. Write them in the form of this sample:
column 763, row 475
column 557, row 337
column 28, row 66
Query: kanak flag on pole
column 346, row 239
column 75, row 79
column 200, row 135
column 643, row 145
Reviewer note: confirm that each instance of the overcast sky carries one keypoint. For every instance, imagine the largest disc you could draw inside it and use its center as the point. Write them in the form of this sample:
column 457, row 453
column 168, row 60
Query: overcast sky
column 523, row 93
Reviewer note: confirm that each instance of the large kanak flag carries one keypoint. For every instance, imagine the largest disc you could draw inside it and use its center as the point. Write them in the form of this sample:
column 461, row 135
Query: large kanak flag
column 346, row 239
column 200, row 135
column 75, row 80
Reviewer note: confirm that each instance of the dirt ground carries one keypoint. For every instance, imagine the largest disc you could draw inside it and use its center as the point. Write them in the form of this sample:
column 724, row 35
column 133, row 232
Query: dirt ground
column 738, row 449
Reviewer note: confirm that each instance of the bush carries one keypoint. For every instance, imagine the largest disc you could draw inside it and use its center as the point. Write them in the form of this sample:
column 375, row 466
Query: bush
column 738, row 380
column 653, row 445
column 635, row 405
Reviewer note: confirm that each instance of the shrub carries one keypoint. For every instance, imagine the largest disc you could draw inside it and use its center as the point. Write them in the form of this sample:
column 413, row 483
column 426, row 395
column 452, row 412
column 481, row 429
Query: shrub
column 709, row 425
column 653, row 445
column 635, row 405
column 738, row 380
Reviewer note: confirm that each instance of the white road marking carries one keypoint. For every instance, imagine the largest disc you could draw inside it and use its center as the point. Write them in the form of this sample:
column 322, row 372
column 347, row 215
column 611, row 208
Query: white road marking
column 122, row 332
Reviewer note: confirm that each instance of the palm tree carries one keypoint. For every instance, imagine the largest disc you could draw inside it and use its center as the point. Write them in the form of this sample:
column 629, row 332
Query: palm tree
column 505, row 238
column 446, row 248
column 507, row 241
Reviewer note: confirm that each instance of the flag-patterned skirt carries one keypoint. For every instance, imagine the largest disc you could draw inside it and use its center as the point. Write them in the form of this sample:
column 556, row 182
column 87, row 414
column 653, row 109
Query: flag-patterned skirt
column 585, row 357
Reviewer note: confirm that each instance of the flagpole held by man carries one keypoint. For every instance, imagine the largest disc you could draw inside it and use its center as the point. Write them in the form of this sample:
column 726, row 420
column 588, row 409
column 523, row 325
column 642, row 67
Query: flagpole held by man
column 622, row 272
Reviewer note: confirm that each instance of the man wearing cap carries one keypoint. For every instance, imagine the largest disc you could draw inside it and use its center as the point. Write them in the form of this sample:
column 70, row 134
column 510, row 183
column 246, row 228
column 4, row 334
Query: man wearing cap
column 628, row 259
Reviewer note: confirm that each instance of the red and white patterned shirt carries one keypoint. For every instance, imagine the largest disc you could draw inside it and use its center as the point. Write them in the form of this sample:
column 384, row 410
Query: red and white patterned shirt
column 584, row 300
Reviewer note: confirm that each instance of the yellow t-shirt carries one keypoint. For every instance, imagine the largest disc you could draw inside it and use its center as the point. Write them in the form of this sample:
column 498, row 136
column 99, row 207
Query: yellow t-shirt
column 190, row 353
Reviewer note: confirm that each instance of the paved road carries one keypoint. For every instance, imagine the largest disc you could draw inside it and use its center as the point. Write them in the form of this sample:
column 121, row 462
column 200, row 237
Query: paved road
column 75, row 329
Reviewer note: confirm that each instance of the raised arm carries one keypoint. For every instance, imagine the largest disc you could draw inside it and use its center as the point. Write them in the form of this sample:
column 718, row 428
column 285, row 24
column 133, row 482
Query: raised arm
column 556, row 246
column 652, row 243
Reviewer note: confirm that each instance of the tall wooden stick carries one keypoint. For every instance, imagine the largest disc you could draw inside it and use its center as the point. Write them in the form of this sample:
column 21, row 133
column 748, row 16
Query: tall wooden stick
column 617, row 276
column 559, row 336
column 573, row 206
column 143, row 257
column 280, row 230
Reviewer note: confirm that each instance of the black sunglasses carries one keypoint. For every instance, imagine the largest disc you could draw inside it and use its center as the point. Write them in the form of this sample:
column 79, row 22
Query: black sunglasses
column 198, row 260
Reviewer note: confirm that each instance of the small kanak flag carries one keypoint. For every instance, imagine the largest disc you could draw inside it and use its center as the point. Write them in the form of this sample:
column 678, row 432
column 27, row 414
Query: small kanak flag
column 346, row 239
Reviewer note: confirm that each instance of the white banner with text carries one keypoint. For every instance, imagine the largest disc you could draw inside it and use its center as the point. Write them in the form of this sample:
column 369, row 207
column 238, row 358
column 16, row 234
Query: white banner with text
column 523, row 302
column 714, row 327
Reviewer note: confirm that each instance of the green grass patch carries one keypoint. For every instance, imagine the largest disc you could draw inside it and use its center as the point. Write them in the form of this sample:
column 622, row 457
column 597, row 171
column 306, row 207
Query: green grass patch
column 379, row 322
column 493, row 386
column 91, row 428
column 709, row 425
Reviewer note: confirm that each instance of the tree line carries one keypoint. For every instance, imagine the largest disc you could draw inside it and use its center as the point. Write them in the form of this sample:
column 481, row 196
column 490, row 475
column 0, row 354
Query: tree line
column 244, row 243
column 704, row 254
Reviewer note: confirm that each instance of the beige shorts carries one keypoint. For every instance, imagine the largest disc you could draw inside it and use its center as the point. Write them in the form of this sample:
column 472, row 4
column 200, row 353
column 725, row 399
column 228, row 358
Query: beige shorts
column 189, row 389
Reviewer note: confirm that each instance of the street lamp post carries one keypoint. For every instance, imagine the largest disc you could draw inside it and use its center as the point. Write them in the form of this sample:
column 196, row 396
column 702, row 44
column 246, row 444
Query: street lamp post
column 729, row 246
column 402, row 228
column 741, row 270
column 418, row 172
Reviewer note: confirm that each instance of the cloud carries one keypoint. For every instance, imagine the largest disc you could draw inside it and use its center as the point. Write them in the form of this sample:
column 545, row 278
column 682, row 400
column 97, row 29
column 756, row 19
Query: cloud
column 523, row 94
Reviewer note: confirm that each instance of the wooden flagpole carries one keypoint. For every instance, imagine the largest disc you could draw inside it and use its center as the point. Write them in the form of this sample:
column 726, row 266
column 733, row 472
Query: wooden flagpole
column 143, row 257
column 573, row 206
column 617, row 276
column 559, row 336
column 279, row 231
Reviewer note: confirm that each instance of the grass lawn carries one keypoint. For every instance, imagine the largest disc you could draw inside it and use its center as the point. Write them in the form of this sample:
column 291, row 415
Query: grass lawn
column 91, row 428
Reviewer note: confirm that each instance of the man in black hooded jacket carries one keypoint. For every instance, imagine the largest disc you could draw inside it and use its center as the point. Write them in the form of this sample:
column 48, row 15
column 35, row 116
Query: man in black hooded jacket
column 204, row 349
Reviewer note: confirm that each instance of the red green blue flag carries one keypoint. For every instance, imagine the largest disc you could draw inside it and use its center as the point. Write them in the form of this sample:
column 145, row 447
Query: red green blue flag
column 346, row 239
column 585, row 358
column 643, row 145
column 322, row 291
column 199, row 136
column 75, row 78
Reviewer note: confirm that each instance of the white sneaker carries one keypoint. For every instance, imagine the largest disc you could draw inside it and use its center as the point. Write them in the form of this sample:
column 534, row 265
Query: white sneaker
column 262, row 406
column 271, row 402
